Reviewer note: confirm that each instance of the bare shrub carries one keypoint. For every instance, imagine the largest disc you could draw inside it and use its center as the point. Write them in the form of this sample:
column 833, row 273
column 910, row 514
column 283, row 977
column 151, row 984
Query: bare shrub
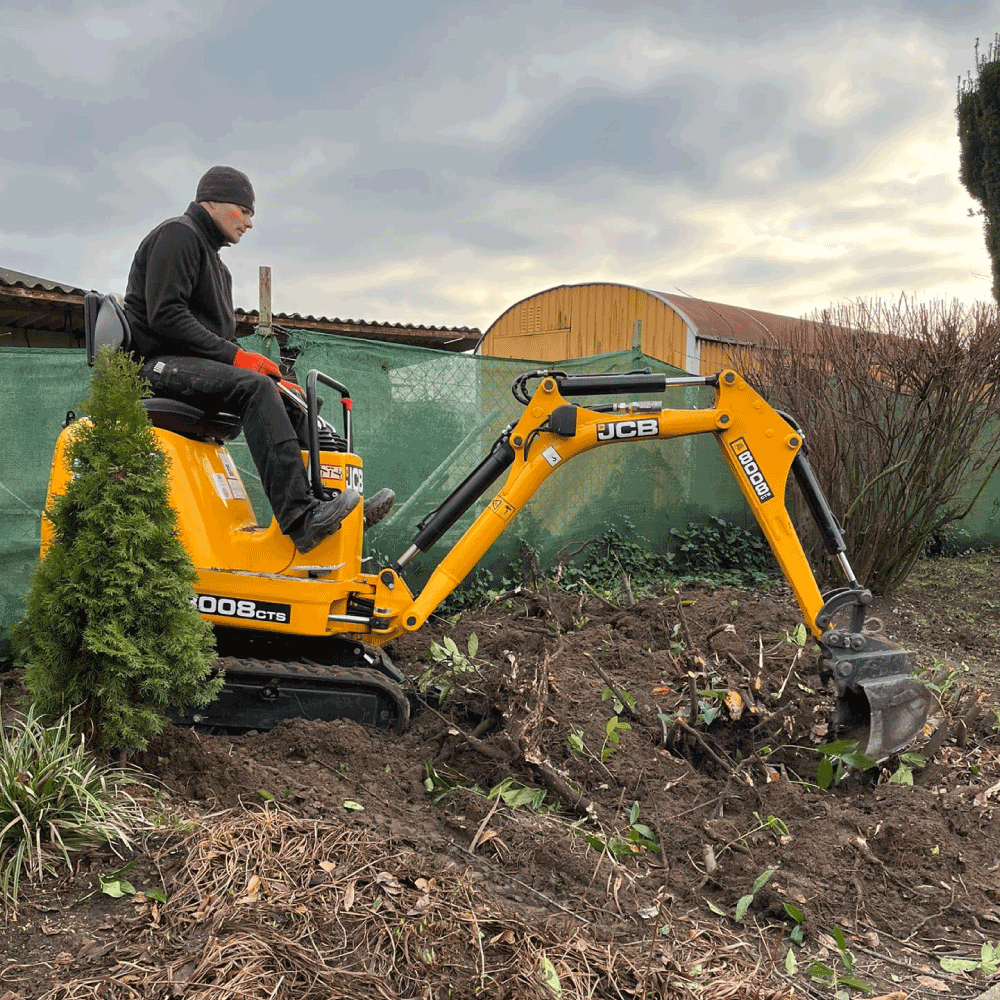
column 899, row 403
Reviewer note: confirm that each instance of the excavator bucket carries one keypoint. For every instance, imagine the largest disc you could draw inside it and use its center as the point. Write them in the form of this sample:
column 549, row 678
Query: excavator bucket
column 879, row 701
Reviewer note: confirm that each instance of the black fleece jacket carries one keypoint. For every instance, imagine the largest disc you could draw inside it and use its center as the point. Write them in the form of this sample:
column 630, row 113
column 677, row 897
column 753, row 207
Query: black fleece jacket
column 179, row 298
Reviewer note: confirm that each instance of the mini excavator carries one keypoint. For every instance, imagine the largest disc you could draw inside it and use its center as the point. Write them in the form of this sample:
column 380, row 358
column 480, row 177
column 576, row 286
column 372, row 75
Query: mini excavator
column 301, row 636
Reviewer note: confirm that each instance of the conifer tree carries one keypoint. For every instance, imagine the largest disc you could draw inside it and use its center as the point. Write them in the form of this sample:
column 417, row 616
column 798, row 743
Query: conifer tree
column 978, row 113
column 111, row 629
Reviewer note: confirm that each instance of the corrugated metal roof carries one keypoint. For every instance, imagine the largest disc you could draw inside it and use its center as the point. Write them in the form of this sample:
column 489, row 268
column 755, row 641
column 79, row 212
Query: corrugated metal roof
column 290, row 320
column 8, row 276
column 730, row 324
column 42, row 295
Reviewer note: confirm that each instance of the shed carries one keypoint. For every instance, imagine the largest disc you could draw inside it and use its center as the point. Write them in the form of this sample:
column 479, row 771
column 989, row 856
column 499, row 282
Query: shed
column 575, row 321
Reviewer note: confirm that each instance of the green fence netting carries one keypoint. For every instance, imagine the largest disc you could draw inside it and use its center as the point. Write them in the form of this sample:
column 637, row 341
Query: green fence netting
column 37, row 388
column 422, row 420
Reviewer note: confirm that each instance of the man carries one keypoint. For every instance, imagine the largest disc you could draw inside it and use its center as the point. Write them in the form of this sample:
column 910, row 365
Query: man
column 179, row 304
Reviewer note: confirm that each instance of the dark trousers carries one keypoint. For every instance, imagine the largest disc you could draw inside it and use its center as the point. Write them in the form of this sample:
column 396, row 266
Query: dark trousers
column 274, row 432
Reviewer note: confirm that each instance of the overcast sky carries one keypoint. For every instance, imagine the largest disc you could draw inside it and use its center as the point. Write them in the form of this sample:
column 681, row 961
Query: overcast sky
column 437, row 162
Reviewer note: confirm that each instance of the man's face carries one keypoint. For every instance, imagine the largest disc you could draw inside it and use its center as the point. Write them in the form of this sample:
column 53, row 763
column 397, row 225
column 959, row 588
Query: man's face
column 233, row 220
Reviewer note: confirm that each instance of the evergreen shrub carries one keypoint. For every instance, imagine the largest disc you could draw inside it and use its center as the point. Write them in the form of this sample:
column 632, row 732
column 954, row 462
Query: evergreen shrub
column 111, row 630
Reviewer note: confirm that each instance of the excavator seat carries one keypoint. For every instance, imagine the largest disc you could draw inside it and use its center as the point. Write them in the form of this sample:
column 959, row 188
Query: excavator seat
column 106, row 325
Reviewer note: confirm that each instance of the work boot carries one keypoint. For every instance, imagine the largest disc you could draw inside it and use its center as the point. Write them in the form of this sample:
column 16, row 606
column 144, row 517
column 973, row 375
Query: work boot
column 378, row 506
column 323, row 520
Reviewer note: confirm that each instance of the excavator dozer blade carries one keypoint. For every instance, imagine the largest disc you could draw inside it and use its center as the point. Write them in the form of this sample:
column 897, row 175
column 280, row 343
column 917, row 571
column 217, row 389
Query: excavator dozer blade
column 879, row 701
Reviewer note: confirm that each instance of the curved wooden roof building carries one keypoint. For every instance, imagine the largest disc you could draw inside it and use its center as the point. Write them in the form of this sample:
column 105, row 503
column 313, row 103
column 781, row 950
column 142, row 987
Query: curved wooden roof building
column 573, row 321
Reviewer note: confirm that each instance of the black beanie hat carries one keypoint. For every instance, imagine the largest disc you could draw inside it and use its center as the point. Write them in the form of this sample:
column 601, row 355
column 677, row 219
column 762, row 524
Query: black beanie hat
column 226, row 184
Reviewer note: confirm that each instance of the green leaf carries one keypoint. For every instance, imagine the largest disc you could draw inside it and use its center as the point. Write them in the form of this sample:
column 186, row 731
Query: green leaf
column 742, row 906
column 762, row 880
column 959, row 964
column 633, row 813
column 820, row 971
column 473, row 644
column 355, row 806
column 855, row 984
column 575, row 741
column 550, row 978
column 903, row 775
column 791, row 964
column 838, row 748
column 795, row 913
column 515, row 797
column 158, row 894
column 115, row 887
column 824, row 772
column 715, row 909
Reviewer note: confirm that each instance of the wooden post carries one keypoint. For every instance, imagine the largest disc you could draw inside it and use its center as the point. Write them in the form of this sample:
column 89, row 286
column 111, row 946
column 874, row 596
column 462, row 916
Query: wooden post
column 637, row 335
column 264, row 328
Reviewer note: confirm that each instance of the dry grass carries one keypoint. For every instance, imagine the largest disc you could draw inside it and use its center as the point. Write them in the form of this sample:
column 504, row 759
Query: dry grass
column 267, row 906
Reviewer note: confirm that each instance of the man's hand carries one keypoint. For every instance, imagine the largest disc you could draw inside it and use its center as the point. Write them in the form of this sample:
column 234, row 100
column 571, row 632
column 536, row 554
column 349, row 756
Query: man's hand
column 256, row 363
column 293, row 387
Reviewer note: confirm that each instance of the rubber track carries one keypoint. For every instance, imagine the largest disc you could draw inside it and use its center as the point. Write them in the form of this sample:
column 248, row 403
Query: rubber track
column 291, row 675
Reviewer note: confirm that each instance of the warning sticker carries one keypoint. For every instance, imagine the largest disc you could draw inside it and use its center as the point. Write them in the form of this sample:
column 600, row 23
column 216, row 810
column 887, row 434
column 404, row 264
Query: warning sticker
column 222, row 486
column 502, row 509
column 236, row 488
column 552, row 456
column 228, row 464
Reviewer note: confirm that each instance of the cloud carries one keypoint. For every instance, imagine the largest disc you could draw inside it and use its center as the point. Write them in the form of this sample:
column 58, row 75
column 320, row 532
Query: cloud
column 89, row 45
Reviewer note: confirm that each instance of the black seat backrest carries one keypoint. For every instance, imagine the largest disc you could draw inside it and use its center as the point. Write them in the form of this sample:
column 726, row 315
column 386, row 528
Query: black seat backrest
column 104, row 325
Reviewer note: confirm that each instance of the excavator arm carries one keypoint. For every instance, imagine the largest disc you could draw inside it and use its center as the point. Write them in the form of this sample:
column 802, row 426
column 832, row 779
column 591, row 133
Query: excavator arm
column 878, row 700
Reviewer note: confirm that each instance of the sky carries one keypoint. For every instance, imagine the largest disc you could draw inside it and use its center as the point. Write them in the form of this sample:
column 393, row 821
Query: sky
column 435, row 163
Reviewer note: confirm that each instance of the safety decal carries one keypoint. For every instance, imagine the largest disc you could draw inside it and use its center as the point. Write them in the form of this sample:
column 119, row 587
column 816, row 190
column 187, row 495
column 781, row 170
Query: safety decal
column 222, row 486
column 751, row 470
column 502, row 509
column 626, row 429
column 230, row 607
column 334, row 472
column 552, row 456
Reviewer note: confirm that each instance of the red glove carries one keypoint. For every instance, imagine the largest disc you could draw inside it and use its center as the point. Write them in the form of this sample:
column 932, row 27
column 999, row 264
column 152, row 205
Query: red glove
column 256, row 363
column 293, row 387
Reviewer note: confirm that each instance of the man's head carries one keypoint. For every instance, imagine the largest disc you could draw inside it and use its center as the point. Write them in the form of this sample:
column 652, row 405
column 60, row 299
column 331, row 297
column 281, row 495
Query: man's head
column 227, row 195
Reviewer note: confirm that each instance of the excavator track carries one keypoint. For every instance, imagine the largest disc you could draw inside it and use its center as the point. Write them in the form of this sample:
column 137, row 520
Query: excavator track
column 258, row 694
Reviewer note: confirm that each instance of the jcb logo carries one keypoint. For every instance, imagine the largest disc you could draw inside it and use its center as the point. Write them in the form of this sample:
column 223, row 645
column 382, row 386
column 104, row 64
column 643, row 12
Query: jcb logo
column 355, row 479
column 752, row 470
column 625, row 429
